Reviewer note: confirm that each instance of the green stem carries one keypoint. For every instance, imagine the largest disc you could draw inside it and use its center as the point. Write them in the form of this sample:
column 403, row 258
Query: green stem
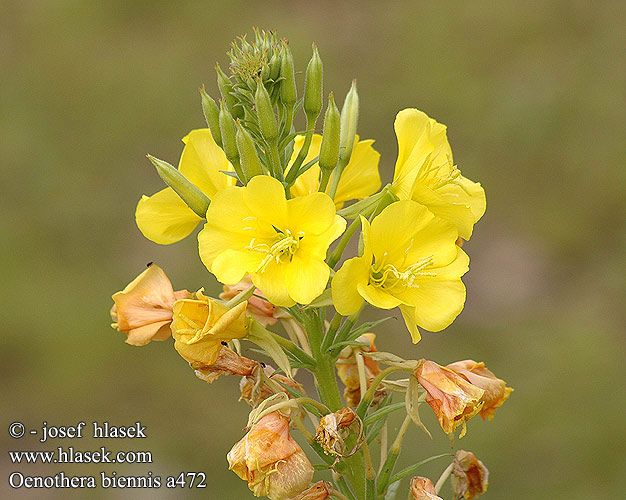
column 370, row 474
column 329, row 337
column 324, row 180
column 394, row 452
column 275, row 166
column 337, row 175
column 343, row 242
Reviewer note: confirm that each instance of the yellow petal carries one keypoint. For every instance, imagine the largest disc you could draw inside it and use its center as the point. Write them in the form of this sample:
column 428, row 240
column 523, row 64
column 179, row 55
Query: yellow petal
column 360, row 178
column 377, row 297
column 312, row 213
column 306, row 278
column 203, row 160
column 451, row 206
column 346, row 297
column 272, row 283
column 439, row 299
column 437, row 239
column 467, row 193
column 265, row 198
column 164, row 218
column 231, row 266
column 393, row 230
column 317, row 245
column 408, row 314
column 412, row 131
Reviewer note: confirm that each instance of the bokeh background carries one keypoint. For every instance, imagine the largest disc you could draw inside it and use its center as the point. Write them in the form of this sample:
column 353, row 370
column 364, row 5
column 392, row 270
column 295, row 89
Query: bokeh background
column 534, row 96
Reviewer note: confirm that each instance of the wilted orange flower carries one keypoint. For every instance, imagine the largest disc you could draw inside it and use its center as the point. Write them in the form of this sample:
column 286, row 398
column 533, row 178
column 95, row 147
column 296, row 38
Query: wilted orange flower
column 270, row 460
column 469, row 476
column 496, row 391
column 453, row 399
column 254, row 390
column 201, row 324
column 422, row 489
column 333, row 429
column 228, row 362
column 348, row 370
column 143, row 310
column 260, row 309
column 319, row 491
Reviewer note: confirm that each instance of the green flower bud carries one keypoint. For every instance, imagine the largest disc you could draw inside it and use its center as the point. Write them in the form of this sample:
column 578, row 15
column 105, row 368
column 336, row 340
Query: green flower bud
column 349, row 119
column 288, row 93
column 227, row 128
column 275, row 66
column 226, row 89
column 211, row 115
column 329, row 150
column 313, row 86
column 265, row 112
column 250, row 162
column 190, row 194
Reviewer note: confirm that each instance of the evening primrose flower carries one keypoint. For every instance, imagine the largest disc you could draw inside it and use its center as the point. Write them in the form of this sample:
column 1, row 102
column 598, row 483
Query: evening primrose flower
column 270, row 460
column 469, row 476
column 453, row 399
column 163, row 217
column 143, row 310
column 228, row 362
column 201, row 324
column 425, row 172
column 496, row 391
column 422, row 488
column 410, row 260
column 358, row 180
column 281, row 243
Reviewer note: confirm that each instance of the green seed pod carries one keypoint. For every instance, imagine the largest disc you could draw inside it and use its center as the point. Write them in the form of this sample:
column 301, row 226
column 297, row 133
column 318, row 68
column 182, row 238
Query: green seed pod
column 329, row 150
column 189, row 193
column 313, row 86
column 265, row 112
column 226, row 89
column 349, row 119
column 211, row 115
column 250, row 162
column 288, row 93
column 227, row 128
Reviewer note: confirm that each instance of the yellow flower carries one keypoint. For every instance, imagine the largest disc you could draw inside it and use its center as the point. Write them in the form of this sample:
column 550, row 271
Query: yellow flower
column 201, row 324
column 496, row 391
column 270, row 460
column 143, row 310
column 469, row 476
column 359, row 179
column 426, row 173
column 422, row 489
column 281, row 243
column 163, row 217
column 410, row 260
column 453, row 399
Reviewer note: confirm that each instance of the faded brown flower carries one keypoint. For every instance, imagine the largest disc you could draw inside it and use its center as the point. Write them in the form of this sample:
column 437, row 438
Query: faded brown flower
column 469, row 476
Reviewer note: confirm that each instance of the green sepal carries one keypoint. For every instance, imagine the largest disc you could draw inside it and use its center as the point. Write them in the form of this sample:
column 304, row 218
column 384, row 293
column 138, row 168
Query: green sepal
column 261, row 337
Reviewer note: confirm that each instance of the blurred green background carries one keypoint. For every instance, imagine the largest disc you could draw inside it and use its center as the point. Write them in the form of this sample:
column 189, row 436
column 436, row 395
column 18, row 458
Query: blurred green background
column 534, row 96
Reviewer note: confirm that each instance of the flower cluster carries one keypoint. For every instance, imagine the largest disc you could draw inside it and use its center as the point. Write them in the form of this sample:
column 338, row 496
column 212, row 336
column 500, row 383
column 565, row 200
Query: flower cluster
column 278, row 208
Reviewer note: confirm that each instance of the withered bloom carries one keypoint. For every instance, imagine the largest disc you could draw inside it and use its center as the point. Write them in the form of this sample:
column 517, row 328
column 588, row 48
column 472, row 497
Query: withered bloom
column 270, row 460
column 422, row 489
column 319, row 491
column 201, row 324
column 348, row 370
column 143, row 310
column 469, row 476
column 254, row 390
column 333, row 430
column 453, row 399
column 228, row 362
column 496, row 391
column 260, row 309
